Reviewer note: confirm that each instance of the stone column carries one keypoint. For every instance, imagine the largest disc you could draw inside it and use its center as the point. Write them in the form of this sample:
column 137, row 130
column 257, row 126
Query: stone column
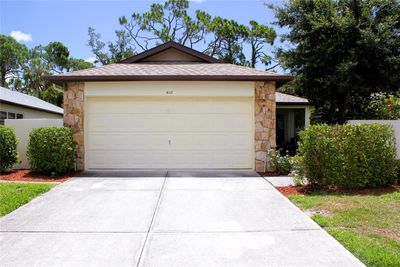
column 265, row 120
column 73, row 117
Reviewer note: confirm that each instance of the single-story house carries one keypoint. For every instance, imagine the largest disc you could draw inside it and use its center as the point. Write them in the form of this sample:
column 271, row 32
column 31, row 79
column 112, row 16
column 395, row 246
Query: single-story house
column 16, row 105
column 292, row 115
column 171, row 107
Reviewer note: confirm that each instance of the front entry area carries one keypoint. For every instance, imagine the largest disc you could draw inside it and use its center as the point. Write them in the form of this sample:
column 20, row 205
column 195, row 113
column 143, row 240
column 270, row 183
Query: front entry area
column 169, row 132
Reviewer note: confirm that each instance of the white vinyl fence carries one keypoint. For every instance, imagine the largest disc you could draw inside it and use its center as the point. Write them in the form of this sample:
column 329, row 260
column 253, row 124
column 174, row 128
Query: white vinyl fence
column 22, row 129
column 394, row 123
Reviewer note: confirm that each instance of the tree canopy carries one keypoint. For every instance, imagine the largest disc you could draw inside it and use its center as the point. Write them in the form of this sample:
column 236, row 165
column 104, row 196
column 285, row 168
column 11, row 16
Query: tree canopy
column 12, row 57
column 343, row 53
column 170, row 21
column 22, row 69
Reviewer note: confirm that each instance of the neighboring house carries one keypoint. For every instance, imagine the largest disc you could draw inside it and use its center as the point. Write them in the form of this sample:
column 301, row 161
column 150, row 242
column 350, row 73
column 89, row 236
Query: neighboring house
column 16, row 105
column 292, row 115
column 171, row 107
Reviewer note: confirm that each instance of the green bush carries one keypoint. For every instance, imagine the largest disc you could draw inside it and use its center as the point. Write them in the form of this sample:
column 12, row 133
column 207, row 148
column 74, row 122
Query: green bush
column 348, row 156
column 8, row 148
column 281, row 164
column 51, row 150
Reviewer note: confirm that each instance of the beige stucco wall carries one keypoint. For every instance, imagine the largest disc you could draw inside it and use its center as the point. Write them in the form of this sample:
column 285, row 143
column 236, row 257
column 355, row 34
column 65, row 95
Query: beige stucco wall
column 29, row 113
column 263, row 93
column 22, row 129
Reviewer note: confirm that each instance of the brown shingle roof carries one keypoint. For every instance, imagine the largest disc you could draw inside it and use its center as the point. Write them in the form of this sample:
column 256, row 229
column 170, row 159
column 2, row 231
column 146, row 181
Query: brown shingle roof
column 169, row 71
column 282, row 98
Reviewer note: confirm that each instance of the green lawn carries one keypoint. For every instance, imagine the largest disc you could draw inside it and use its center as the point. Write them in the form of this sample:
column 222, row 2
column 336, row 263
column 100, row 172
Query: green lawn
column 13, row 195
column 367, row 225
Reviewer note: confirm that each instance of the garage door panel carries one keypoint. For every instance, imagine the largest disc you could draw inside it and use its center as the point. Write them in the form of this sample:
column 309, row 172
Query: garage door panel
column 114, row 105
column 128, row 159
column 127, row 141
column 169, row 132
column 235, row 105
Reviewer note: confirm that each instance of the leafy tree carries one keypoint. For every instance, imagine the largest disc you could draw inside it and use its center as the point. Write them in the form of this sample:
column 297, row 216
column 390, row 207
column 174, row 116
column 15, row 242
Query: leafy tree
column 54, row 95
column 57, row 55
column 342, row 52
column 12, row 56
column 170, row 21
column 117, row 50
column 228, row 38
column 162, row 23
column 77, row 64
column 258, row 36
column 41, row 61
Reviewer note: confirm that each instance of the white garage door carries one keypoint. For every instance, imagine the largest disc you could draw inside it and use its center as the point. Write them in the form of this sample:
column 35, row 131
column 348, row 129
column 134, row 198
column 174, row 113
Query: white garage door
column 169, row 132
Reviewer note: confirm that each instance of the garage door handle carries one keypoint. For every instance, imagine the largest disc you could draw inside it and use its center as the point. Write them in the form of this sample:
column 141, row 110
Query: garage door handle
column 169, row 141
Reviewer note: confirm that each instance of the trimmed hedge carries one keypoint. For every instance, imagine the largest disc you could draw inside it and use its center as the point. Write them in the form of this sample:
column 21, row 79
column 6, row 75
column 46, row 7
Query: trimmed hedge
column 348, row 156
column 51, row 150
column 8, row 148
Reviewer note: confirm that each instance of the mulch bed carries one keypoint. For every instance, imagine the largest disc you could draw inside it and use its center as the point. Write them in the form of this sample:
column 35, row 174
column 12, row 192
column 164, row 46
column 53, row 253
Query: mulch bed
column 292, row 190
column 30, row 176
column 304, row 190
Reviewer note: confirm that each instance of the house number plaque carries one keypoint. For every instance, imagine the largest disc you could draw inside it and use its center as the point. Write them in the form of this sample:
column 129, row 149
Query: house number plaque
column 169, row 92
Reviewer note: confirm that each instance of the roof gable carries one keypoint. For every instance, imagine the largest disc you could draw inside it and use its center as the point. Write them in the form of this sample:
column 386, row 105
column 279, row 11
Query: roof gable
column 170, row 52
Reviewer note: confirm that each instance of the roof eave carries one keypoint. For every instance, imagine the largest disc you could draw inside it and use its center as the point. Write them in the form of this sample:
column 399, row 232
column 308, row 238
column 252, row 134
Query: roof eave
column 31, row 107
column 293, row 103
column 61, row 79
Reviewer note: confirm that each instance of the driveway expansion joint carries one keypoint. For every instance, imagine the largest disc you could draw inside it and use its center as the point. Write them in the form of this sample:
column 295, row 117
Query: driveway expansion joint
column 233, row 232
column 152, row 220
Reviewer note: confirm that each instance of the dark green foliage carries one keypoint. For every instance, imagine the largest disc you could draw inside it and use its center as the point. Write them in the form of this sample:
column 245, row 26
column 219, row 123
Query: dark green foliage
column 51, row 150
column 8, row 148
column 53, row 95
column 342, row 52
column 348, row 156
column 12, row 56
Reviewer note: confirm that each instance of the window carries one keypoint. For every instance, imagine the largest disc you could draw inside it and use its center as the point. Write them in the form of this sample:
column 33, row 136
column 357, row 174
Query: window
column 3, row 115
column 11, row 115
column 20, row 116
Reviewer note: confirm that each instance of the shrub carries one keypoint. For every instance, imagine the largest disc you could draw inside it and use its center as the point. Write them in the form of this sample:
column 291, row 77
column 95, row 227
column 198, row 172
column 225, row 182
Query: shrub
column 51, row 150
column 281, row 164
column 348, row 156
column 8, row 148
column 297, row 171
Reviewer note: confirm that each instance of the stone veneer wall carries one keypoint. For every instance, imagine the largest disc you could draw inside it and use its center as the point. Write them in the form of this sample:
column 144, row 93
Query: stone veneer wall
column 73, row 117
column 265, row 120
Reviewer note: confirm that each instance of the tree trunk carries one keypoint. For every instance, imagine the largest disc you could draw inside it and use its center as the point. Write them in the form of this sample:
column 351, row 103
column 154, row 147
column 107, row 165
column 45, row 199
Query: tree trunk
column 3, row 76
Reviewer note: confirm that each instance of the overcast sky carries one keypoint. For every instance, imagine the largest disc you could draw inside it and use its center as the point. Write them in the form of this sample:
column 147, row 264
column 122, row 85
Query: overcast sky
column 37, row 22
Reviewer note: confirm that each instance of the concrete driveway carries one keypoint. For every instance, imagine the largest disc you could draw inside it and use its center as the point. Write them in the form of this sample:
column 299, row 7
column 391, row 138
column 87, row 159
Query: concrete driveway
column 227, row 219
